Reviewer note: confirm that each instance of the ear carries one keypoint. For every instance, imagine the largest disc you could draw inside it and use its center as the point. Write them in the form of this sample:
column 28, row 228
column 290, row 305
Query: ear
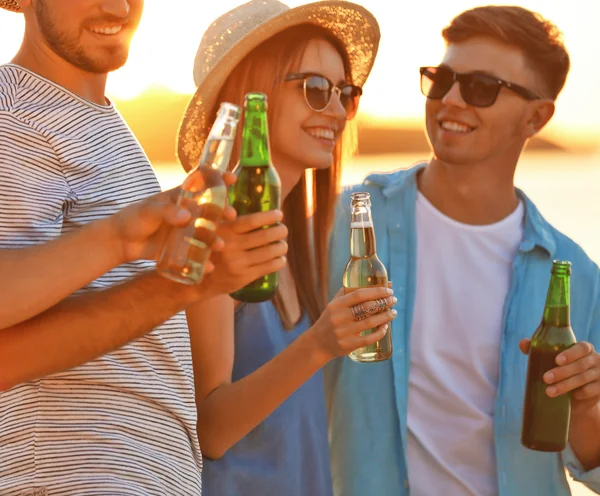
column 541, row 112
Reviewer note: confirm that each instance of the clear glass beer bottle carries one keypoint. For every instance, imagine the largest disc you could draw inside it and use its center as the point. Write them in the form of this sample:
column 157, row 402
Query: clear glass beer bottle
column 364, row 269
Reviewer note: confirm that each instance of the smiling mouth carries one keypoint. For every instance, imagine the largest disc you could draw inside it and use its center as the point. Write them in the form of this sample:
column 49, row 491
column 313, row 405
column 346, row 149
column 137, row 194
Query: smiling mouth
column 455, row 127
column 321, row 133
column 106, row 31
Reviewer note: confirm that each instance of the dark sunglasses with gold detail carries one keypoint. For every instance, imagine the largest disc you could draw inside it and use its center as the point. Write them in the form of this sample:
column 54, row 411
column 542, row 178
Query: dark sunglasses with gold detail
column 477, row 89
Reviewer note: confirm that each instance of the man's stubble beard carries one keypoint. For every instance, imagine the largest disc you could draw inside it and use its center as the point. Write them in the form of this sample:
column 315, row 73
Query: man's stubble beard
column 66, row 46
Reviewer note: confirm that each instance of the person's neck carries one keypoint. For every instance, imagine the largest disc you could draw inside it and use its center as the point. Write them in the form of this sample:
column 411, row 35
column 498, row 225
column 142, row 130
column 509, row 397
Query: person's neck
column 39, row 58
column 290, row 175
column 476, row 194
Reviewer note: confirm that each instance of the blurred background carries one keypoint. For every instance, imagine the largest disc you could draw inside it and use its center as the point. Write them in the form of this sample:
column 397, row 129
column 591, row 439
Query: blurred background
column 560, row 170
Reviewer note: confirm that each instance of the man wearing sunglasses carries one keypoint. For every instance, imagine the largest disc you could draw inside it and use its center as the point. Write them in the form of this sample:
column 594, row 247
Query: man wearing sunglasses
column 470, row 257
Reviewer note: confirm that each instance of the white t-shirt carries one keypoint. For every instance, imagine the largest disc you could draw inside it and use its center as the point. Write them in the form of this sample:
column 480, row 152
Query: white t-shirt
column 463, row 275
column 126, row 422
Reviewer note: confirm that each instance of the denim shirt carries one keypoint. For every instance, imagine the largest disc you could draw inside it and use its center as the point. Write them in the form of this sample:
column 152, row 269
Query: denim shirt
column 367, row 403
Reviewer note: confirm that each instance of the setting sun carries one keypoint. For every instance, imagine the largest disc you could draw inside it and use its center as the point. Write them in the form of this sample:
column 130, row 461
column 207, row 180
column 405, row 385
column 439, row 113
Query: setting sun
column 164, row 49
column 112, row 180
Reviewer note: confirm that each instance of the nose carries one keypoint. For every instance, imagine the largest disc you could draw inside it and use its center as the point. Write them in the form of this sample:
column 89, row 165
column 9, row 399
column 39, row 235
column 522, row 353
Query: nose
column 117, row 8
column 454, row 98
column 335, row 108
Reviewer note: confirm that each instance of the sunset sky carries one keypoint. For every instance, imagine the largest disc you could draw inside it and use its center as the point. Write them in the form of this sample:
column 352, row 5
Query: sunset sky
column 163, row 51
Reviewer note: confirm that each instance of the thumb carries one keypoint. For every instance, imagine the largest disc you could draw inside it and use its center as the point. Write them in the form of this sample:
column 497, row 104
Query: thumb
column 170, row 213
column 524, row 346
column 229, row 178
column 170, row 195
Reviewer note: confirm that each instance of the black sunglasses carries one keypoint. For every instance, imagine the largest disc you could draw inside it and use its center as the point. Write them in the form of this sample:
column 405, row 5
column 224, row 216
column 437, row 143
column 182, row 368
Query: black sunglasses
column 318, row 92
column 477, row 89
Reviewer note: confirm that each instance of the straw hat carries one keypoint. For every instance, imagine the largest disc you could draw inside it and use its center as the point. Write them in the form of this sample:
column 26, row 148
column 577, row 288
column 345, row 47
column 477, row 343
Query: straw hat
column 235, row 34
column 10, row 5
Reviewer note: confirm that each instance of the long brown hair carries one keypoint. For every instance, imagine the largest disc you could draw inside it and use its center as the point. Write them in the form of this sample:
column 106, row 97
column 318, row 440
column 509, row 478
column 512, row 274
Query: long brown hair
column 309, row 217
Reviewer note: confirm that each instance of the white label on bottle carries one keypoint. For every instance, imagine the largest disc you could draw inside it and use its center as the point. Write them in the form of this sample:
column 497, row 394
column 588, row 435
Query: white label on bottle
column 361, row 224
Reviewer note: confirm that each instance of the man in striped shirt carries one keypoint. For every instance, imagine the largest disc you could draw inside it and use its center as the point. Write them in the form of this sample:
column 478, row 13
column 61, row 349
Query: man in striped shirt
column 96, row 375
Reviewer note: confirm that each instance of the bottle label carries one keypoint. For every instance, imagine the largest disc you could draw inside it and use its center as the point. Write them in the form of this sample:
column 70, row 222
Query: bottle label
column 361, row 224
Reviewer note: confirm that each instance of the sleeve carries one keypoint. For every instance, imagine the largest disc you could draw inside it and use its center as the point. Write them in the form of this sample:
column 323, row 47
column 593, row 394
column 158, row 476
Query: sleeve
column 339, row 243
column 591, row 478
column 33, row 189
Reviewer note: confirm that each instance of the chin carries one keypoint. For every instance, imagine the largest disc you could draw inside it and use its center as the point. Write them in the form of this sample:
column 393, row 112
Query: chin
column 102, row 62
column 320, row 164
column 307, row 163
column 109, row 62
column 455, row 157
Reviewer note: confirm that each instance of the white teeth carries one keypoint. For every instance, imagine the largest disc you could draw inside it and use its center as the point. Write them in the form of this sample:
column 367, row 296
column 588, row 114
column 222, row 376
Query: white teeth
column 106, row 31
column 321, row 133
column 455, row 126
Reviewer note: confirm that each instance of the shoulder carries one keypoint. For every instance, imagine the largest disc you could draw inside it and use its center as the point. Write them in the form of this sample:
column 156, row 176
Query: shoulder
column 22, row 90
column 584, row 268
column 380, row 186
column 42, row 104
column 10, row 86
column 18, row 129
column 10, row 80
column 558, row 245
column 23, row 99
column 380, row 181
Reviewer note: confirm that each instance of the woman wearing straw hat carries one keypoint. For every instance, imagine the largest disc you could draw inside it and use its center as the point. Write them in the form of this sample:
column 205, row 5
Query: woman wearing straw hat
column 261, row 404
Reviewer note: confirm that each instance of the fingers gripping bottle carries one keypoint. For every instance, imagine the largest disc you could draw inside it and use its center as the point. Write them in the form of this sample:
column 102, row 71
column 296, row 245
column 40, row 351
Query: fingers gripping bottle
column 258, row 188
column 204, row 194
column 364, row 269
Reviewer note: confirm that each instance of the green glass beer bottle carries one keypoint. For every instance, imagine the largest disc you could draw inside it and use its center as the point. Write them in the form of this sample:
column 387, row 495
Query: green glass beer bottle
column 364, row 269
column 204, row 194
column 545, row 419
column 258, row 188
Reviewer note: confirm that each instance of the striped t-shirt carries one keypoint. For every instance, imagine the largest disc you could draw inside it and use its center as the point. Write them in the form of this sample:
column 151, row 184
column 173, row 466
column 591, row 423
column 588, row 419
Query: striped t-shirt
column 124, row 424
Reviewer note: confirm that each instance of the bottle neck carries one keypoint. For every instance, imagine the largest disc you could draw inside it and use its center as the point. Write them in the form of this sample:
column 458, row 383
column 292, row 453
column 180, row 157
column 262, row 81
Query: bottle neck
column 362, row 238
column 217, row 153
column 255, row 151
column 557, row 311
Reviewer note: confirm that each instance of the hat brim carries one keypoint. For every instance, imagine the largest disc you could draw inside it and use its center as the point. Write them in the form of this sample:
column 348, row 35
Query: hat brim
column 10, row 5
column 361, row 42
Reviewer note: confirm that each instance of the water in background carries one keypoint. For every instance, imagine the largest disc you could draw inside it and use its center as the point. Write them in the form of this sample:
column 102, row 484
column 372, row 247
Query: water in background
column 566, row 189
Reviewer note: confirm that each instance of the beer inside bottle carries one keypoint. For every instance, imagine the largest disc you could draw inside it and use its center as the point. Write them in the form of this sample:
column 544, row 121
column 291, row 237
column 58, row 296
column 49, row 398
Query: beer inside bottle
column 204, row 194
column 545, row 419
column 258, row 188
column 364, row 269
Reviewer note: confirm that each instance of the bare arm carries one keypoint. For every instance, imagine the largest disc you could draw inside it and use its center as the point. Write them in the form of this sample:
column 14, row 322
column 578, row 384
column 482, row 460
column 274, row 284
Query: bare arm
column 34, row 279
column 53, row 341
column 584, row 433
column 227, row 410
column 82, row 328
